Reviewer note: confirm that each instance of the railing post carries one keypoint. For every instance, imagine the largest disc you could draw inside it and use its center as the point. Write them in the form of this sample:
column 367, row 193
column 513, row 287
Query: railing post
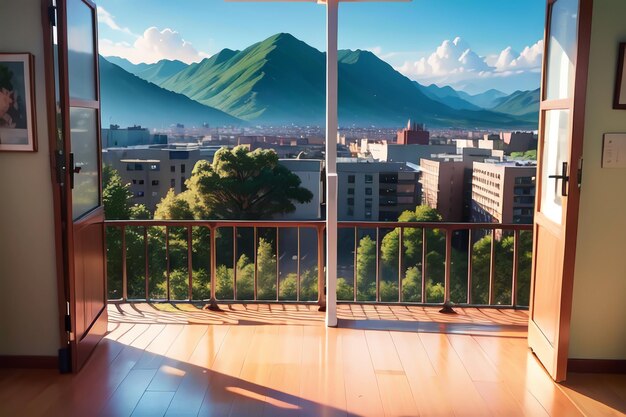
column 492, row 267
column 167, row 260
column 277, row 264
column 514, row 277
column 298, row 268
column 189, row 263
column 470, row 254
column 400, row 237
column 377, row 265
column 213, row 302
column 321, row 276
column 147, row 277
column 234, row 262
column 124, row 273
column 447, row 305
column 255, row 280
column 355, row 269
column 424, row 246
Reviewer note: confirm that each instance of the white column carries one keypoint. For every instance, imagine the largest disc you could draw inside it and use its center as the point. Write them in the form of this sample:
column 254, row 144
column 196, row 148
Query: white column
column 331, row 162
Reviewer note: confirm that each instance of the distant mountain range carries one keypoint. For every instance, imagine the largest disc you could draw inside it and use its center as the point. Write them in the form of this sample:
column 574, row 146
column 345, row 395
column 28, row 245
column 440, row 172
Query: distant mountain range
column 128, row 100
column 281, row 80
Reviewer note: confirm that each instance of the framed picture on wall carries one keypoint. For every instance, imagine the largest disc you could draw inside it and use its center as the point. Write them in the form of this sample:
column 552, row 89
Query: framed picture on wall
column 17, row 101
column 619, row 101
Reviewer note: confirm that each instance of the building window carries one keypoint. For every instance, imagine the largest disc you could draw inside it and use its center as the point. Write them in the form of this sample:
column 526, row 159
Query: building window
column 154, row 193
column 369, row 178
column 173, row 183
column 154, row 167
column 172, row 168
column 368, row 191
column 139, row 194
column 155, row 182
column 350, row 179
column 351, row 211
column 351, row 201
column 368, row 203
column 140, row 182
column 368, row 214
column 182, row 168
column 350, row 191
column 183, row 186
column 134, row 181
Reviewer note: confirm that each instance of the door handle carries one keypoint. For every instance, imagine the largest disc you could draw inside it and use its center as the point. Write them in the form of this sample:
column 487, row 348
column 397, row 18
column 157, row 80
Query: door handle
column 563, row 177
column 74, row 170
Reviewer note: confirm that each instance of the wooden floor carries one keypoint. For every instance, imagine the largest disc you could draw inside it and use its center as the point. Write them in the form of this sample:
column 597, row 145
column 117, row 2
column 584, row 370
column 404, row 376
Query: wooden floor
column 180, row 361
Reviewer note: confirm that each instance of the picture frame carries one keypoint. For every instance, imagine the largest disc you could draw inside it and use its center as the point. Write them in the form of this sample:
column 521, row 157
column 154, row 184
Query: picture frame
column 619, row 100
column 17, row 103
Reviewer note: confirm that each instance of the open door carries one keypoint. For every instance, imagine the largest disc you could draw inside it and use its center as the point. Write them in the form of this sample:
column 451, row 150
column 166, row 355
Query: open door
column 562, row 109
column 77, row 146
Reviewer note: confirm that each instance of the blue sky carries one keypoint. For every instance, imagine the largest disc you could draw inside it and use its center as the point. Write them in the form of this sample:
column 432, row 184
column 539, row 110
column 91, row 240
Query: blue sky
column 496, row 40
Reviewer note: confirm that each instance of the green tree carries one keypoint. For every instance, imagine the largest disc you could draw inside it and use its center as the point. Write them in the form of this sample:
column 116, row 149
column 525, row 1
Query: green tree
column 412, row 242
column 366, row 269
column 115, row 195
column 240, row 184
column 173, row 207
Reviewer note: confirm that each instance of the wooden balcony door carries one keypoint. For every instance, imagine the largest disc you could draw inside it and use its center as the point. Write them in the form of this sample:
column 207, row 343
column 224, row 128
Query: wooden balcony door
column 562, row 109
column 78, row 150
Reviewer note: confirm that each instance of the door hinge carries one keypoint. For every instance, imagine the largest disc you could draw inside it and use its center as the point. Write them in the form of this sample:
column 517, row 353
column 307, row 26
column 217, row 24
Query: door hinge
column 60, row 167
column 579, row 176
column 52, row 15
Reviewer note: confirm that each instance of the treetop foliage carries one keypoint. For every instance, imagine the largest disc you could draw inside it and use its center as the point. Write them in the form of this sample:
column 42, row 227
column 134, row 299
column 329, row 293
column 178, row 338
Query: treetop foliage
column 239, row 184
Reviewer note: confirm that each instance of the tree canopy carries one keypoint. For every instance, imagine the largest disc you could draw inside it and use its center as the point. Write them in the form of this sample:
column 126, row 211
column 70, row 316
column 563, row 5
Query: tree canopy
column 239, row 184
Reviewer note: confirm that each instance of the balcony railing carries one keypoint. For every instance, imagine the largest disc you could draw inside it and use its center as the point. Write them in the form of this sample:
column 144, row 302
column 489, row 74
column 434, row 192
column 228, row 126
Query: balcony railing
column 473, row 264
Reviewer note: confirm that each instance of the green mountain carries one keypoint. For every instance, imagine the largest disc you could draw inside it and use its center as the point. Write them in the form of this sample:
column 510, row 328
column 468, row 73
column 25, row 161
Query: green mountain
column 446, row 95
column 278, row 80
column 485, row 100
column 160, row 71
column 128, row 100
column 520, row 103
column 126, row 65
column 282, row 80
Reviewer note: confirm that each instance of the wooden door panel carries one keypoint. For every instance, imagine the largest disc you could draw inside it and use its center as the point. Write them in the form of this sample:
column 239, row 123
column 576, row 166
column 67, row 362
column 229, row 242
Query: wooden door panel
column 547, row 290
column 562, row 110
column 89, row 283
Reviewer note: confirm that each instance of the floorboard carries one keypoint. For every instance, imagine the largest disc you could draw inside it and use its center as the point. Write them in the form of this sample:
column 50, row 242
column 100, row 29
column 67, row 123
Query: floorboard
column 262, row 360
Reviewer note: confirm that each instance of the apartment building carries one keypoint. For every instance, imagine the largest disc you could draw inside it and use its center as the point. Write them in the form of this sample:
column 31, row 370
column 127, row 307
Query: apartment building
column 310, row 172
column 442, row 183
column 153, row 171
column 503, row 193
column 373, row 191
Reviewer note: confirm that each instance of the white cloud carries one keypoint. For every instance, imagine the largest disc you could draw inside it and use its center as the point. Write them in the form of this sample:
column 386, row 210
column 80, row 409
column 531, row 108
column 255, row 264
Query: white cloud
column 108, row 19
column 530, row 57
column 153, row 46
column 451, row 57
column 454, row 62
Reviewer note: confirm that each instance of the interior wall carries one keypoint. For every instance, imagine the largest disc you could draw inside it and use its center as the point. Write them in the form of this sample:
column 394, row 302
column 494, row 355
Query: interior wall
column 28, row 282
column 598, row 329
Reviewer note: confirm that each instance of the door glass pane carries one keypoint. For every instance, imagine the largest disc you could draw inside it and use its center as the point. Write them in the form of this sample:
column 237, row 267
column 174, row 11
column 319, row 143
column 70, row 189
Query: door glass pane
column 86, row 191
column 81, row 53
column 555, row 152
column 562, row 49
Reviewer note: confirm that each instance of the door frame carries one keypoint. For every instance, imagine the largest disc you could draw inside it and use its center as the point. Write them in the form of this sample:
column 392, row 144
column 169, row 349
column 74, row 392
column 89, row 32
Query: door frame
column 557, row 367
column 58, row 137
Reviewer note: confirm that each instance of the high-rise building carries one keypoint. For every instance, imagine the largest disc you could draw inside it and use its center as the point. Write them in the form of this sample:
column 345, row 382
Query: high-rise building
column 413, row 134
column 442, row 186
column 503, row 193
column 376, row 191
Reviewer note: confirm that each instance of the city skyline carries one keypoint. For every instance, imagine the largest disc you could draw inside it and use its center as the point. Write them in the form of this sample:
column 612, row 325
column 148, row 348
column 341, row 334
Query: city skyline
column 428, row 42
